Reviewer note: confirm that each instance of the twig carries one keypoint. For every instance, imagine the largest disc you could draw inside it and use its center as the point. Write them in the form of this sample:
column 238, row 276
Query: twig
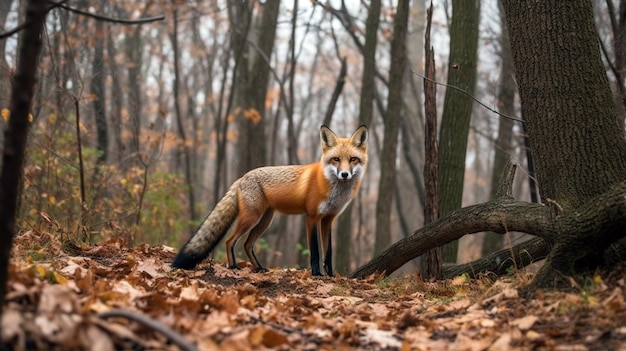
column 556, row 207
column 169, row 333
column 472, row 97
column 275, row 325
column 81, row 173
column 108, row 19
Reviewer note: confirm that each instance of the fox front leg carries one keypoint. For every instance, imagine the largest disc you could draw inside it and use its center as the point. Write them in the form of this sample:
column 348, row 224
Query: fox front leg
column 311, row 231
column 327, row 245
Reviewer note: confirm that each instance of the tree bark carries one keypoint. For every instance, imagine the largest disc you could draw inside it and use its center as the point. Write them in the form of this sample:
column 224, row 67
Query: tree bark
column 392, row 120
column 578, row 148
column 432, row 260
column 457, row 110
column 502, row 262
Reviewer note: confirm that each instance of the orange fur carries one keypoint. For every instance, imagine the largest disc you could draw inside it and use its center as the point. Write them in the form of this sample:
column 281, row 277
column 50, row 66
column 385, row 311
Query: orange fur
column 319, row 190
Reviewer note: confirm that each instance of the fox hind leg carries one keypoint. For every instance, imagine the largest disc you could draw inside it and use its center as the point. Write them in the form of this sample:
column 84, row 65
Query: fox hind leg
column 256, row 233
column 246, row 221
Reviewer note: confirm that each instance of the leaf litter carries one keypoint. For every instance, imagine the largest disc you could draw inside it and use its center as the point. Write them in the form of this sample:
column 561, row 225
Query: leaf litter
column 109, row 297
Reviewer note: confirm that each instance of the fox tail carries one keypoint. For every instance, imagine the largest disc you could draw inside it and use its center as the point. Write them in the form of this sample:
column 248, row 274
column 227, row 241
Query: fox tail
column 211, row 231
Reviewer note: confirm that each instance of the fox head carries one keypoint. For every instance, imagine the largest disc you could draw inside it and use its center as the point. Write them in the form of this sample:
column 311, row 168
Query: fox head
column 344, row 159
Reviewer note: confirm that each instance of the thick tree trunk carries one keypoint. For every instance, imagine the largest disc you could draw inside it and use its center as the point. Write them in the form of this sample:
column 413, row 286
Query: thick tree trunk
column 578, row 148
column 457, row 109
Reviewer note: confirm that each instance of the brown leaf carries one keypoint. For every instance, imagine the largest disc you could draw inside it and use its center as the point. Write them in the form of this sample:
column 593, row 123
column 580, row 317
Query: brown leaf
column 525, row 322
column 273, row 338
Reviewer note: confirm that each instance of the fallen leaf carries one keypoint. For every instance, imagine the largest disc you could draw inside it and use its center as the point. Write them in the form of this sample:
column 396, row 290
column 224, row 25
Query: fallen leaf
column 525, row 322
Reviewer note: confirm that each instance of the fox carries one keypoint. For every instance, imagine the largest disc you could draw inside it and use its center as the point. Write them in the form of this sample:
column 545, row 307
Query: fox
column 320, row 191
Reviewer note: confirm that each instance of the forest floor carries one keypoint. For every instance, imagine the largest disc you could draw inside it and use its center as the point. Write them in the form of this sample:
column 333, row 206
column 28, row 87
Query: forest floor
column 109, row 297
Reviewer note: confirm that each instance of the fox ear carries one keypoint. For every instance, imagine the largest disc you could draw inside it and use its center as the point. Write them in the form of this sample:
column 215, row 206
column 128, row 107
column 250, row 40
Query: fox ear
column 329, row 139
column 359, row 137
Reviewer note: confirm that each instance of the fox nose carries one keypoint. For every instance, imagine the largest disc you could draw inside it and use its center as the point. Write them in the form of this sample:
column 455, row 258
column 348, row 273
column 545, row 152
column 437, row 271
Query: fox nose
column 344, row 175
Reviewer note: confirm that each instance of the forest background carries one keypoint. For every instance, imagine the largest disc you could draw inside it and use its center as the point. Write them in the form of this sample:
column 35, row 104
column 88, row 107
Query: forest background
column 139, row 128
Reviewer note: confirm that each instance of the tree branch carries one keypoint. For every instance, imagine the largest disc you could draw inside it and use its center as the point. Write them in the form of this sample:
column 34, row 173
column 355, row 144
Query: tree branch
column 62, row 5
column 498, row 216
column 107, row 19
column 472, row 97
column 500, row 262
column 599, row 223
column 26, row 23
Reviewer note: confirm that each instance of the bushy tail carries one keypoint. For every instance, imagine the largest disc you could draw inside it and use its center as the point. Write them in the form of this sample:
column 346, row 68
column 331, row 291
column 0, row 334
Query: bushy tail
column 211, row 231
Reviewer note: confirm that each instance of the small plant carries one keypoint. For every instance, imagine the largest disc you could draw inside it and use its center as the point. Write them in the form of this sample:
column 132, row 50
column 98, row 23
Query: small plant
column 302, row 249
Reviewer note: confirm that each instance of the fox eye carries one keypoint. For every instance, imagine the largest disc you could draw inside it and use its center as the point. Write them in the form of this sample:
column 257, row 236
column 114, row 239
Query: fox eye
column 354, row 159
column 336, row 159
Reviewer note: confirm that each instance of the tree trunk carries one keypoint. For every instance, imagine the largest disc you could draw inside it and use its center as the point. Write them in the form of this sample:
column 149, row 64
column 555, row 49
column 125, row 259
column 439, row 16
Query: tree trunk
column 578, row 148
column 98, row 90
column 17, row 132
column 366, row 109
column 117, row 102
column 252, row 81
column 392, row 120
column 5, row 79
column 411, row 159
column 504, row 143
column 184, row 146
column 432, row 260
column 134, row 54
column 457, row 109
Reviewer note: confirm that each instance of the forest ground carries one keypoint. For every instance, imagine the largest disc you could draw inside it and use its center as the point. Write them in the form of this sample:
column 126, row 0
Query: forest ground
column 62, row 297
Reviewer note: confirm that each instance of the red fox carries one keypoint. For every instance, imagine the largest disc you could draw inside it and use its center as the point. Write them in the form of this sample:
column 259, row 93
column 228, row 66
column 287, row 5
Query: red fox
column 320, row 190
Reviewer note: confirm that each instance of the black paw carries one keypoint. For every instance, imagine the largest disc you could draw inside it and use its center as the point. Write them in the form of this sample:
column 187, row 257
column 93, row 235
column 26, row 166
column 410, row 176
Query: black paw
column 316, row 273
column 261, row 270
